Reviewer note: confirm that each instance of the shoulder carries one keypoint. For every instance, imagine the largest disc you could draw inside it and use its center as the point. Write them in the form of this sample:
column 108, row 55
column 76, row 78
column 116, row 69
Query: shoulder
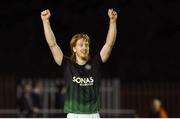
column 66, row 60
column 97, row 59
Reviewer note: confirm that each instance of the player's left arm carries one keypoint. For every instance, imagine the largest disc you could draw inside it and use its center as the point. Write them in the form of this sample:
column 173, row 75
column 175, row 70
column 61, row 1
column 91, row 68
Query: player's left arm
column 111, row 36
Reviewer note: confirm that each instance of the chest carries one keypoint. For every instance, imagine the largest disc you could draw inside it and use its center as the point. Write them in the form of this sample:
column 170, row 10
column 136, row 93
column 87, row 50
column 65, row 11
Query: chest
column 82, row 71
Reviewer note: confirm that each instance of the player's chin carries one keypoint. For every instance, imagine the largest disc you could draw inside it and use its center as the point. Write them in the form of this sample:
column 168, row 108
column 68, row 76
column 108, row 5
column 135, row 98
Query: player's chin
column 84, row 56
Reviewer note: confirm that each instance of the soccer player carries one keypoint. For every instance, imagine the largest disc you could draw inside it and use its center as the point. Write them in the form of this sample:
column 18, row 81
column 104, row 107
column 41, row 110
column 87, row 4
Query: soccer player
column 81, row 73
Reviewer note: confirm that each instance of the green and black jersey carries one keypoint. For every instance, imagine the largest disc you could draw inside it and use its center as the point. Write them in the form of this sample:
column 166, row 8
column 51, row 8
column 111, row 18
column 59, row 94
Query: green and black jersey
column 82, row 86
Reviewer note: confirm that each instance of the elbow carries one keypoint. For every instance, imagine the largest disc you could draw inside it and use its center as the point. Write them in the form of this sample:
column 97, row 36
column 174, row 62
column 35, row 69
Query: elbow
column 110, row 43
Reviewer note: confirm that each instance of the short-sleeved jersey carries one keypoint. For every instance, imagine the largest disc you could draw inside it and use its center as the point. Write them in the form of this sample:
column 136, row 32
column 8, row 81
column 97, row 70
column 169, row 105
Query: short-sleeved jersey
column 82, row 85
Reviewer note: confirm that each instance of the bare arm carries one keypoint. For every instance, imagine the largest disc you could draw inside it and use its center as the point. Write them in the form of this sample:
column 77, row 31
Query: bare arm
column 111, row 36
column 50, row 38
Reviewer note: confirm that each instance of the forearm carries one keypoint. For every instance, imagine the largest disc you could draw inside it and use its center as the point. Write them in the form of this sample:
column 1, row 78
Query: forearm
column 111, row 36
column 49, row 35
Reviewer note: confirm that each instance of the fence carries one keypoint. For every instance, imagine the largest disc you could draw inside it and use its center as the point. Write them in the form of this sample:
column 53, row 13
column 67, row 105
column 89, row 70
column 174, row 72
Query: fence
column 119, row 98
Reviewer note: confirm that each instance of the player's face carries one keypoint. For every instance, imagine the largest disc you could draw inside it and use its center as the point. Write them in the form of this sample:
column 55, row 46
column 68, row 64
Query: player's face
column 82, row 48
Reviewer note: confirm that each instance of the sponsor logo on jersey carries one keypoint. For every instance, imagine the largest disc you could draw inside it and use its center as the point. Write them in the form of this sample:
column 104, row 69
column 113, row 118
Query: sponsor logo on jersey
column 83, row 81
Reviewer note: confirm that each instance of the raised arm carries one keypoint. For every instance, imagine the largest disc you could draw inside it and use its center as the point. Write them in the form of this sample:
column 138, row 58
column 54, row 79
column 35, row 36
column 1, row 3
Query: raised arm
column 111, row 36
column 50, row 38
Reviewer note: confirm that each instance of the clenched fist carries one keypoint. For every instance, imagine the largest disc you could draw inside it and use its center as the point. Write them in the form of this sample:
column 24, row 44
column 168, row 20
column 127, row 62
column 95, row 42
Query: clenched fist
column 45, row 15
column 112, row 15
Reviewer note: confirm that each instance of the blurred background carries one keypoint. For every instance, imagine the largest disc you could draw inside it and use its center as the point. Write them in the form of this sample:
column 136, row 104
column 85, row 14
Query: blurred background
column 141, row 78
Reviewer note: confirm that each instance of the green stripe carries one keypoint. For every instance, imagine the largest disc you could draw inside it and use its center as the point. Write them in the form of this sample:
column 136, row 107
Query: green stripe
column 87, row 109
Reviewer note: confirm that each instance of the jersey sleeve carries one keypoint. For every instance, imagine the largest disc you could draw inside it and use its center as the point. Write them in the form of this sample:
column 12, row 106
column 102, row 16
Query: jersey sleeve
column 97, row 60
column 65, row 61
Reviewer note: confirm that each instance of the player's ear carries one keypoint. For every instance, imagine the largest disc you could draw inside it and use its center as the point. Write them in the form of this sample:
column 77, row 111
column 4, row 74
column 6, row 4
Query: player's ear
column 74, row 49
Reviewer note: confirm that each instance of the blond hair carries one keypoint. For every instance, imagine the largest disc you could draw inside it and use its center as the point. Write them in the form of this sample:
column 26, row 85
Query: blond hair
column 73, row 41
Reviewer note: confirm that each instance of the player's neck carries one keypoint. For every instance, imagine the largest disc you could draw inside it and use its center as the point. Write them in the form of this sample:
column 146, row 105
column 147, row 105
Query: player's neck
column 81, row 61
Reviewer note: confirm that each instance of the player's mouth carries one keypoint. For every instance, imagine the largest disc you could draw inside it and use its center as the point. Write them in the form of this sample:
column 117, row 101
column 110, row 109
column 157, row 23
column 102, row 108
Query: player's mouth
column 84, row 52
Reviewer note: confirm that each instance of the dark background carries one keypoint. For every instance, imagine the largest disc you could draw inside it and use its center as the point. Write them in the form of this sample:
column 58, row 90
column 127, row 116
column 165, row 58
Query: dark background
column 145, row 56
column 147, row 39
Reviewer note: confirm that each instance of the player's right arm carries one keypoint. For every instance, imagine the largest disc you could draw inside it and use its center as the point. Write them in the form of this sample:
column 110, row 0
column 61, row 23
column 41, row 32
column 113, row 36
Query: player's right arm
column 50, row 38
